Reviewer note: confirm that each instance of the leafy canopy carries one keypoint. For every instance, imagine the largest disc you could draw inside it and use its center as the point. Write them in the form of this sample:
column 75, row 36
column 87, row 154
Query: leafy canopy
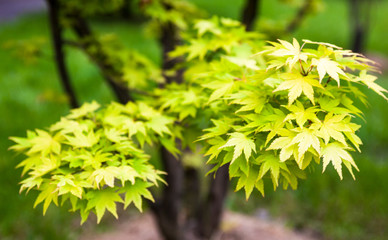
column 267, row 111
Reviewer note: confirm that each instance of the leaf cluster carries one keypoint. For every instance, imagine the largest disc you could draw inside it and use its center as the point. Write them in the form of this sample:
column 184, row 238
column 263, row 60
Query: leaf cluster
column 94, row 158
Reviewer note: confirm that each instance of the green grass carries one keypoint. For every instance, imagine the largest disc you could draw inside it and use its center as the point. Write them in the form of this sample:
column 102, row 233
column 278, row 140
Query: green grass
column 30, row 98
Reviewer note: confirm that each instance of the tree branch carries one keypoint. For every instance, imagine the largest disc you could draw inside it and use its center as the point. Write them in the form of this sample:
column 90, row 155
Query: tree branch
column 250, row 13
column 96, row 53
column 297, row 20
column 56, row 34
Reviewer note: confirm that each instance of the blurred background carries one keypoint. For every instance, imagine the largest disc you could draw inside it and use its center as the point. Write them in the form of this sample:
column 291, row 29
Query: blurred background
column 31, row 97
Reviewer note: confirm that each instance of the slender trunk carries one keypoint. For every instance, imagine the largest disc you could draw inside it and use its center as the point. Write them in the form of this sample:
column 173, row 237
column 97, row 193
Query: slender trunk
column 169, row 41
column 212, row 208
column 167, row 208
column 181, row 213
column 249, row 14
column 299, row 17
column 56, row 34
column 359, row 18
column 96, row 53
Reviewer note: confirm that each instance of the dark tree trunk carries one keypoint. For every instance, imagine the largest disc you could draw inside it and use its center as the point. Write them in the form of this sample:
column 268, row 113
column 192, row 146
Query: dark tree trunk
column 167, row 208
column 359, row 11
column 181, row 212
column 56, row 33
column 212, row 208
column 169, row 41
column 249, row 13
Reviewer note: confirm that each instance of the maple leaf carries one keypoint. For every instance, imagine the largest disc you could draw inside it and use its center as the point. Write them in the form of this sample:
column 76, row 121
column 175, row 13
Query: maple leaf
column 103, row 199
column 302, row 115
column 221, row 88
column 221, row 127
column 250, row 101
column 285, row 145
column 48, row 195
column 204, row 26
column 296, row 84
column 270, row 162
column 321, row 43
column 250, row 181
column 336, row 154
column 332, row 127
column 305, row 139
column 85, row 109
column 43, row 142
column 241, row 143
column 369, row 80
column 293, row 50
column 327, row 66
column 107, row 174
column 135, row 192
column 80, row 140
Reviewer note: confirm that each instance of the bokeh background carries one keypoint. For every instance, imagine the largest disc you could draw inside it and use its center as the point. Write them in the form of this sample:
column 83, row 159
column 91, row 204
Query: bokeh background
column 31, row 97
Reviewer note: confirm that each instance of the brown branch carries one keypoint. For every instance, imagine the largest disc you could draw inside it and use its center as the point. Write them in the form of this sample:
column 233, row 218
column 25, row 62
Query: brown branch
column 95, row 51
column 250, row 13
column 57, row 40
column 299, row 17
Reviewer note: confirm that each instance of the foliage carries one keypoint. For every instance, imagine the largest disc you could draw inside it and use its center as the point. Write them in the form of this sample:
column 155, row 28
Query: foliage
column 275, row 111
column 80, row 157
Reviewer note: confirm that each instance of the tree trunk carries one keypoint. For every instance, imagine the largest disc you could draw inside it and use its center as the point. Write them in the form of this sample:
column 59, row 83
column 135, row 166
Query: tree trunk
column 213, row 206
column 249, row 13
column 181, row 212
column 359, row 11
column 56, row 33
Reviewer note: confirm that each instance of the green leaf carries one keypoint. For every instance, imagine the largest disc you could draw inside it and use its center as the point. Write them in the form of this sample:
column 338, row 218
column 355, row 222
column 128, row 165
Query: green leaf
column 103, row 199
column 135, row 192
column 336, row 154
column 305, row 139
column 327, row 66
column 296, row 84
column 85, row 109
column 241, row 143
column 271, row 163
column 48, row 194
column 369, row 80
column 302, row 115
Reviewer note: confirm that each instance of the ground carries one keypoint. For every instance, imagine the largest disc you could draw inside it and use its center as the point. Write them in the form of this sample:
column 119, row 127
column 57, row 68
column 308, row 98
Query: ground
column 235, row 226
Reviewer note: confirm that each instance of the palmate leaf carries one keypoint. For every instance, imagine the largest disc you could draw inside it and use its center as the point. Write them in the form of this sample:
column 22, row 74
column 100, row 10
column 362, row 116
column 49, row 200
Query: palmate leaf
column 369, row 80
column 305, row 139
column 332, row 127
column 327, row 66
column 103, row 199
column 285, row 146
column 270, row 162
column 135, row 192
column 241, row 143
column 250, row 181
column 47, row 195
column 336, row 154
column 287, row 49
column 302, row 115
column 296, row 83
